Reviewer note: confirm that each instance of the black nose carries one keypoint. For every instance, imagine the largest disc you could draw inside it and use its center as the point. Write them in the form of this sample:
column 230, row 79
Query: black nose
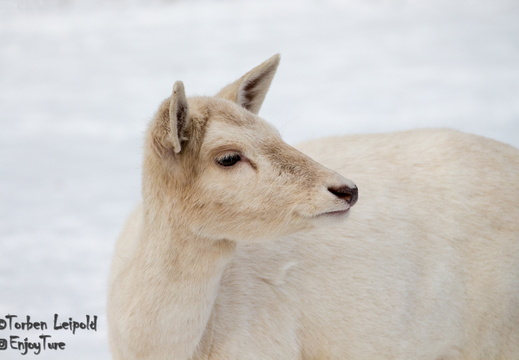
column 350, row 195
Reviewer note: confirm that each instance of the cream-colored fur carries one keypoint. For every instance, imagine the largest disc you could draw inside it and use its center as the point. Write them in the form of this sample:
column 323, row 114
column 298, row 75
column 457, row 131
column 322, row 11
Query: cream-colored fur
column 258, row 261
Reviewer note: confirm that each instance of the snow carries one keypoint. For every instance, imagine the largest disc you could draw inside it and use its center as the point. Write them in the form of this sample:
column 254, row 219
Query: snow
column 80, row 79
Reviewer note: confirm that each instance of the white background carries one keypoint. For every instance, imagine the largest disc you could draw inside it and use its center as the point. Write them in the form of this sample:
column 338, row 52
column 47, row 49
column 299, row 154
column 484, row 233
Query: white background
column 80, row 79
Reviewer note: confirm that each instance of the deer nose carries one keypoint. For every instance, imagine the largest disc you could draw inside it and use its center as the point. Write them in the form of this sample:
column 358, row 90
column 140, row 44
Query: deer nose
column 346, row 193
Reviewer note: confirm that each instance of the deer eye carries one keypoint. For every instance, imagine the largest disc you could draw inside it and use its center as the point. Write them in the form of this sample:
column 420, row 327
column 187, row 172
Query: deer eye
column 229, row 159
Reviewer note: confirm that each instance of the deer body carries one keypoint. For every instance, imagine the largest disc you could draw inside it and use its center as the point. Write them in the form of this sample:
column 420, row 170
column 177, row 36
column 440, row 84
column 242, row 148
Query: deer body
column 241, row 248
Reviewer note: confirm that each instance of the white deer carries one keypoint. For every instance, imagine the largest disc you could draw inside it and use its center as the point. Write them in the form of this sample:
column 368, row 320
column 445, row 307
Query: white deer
column 241, row 248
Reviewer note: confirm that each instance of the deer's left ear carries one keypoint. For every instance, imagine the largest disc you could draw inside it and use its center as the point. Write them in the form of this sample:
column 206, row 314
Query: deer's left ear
column 178, row 116
column 250, row 90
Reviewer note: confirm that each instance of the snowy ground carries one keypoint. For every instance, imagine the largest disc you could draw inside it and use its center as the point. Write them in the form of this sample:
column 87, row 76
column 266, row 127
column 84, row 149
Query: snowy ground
column 79, row 79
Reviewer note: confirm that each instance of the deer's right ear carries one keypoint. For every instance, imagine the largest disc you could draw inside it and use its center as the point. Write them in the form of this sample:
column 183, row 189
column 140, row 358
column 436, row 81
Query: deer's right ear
column 249, row 91
column 178, row 116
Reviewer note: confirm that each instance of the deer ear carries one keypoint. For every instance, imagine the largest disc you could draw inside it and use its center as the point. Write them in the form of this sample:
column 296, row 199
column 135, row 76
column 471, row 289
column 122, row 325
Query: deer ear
column 250, row 90
column 178, row 116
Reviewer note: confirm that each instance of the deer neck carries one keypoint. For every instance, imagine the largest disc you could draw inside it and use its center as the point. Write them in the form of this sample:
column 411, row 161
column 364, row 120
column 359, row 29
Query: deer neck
column 181, row 277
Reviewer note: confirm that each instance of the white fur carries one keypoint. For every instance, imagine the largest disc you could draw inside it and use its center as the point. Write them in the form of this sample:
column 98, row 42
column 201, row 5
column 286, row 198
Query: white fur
column 248, row 262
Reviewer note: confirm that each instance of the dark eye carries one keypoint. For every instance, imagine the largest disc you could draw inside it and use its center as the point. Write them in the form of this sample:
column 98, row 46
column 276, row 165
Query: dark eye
column 229, row 160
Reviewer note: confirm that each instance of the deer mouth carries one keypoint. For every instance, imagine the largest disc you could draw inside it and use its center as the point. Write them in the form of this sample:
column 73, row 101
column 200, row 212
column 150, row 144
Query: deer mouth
column 338, row 212
column 341, row 212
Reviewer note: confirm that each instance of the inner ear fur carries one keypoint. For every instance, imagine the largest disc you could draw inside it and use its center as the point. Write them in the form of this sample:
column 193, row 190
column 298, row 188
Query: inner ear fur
column 250, row 90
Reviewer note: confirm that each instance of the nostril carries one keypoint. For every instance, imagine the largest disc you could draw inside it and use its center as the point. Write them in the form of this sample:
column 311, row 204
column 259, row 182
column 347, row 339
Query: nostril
column 350, row 195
